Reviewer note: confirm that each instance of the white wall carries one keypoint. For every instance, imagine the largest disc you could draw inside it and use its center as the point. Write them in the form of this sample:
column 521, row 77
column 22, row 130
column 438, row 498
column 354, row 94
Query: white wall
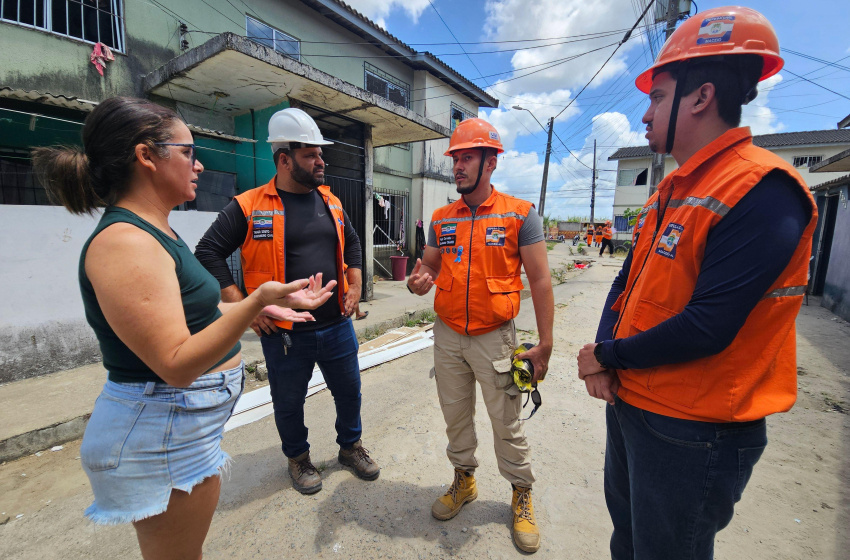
column 42, row 323
column 635, row 197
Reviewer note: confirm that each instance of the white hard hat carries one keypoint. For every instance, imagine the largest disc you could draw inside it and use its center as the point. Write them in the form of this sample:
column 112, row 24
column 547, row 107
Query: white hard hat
column 294, row 126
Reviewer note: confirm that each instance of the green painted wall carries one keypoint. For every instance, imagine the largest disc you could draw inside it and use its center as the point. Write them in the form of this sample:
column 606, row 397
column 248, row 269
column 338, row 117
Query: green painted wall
column 152, row 39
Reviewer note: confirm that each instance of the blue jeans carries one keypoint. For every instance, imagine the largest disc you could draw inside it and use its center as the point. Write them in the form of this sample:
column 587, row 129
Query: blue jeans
column 334, row 349
column 672, row 484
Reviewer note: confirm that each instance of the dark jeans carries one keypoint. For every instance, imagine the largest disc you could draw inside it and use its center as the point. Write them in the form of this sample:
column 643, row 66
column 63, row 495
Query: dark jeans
column 606, row 243
column 672, row 484
column 334, row 349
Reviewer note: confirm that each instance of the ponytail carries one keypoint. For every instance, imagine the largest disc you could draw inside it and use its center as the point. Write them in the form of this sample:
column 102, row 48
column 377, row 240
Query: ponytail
column 83, row 181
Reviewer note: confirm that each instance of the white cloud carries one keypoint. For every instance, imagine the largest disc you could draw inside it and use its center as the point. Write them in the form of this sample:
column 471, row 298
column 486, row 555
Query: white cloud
column 757, row 115
column 568, row 187
column 512, row 123
column 378, row 10
column 519, row 19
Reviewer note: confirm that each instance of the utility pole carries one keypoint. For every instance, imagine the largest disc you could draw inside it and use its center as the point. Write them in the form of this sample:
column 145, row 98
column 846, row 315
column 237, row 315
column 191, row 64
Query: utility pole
column 593, row 185
column 658, row 159
column 542, row 205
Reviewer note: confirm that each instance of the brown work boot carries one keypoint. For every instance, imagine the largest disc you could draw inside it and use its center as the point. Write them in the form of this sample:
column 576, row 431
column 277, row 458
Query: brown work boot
column 526, row 533
column 305, row 477
column 462, row 490
column 358, row 459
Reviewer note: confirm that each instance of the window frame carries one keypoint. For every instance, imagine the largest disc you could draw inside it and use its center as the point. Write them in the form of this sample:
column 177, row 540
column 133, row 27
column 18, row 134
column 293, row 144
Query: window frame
column 389, row 79
column 809, row 161
column 275, row 40
column 637, row 172
column 47, row 14
column 466, row 115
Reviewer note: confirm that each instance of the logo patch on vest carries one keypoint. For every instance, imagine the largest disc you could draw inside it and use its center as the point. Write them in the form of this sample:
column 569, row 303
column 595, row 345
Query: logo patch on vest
column 669, row 241
column 448, row 229
column 495, row 236
column 448, row 240
column 263, row 227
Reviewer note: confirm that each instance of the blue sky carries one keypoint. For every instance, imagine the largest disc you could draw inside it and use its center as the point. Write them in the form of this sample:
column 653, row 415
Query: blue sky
column 609, row 110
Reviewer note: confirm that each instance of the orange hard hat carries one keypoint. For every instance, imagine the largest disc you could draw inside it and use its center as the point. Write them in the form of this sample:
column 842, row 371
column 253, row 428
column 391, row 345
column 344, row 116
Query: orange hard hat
column 475, row 133
column 729, row 30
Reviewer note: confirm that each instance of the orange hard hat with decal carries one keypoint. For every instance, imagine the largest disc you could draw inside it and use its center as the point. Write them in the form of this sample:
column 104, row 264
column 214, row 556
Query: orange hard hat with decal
column 475, row 133
column 730, row 30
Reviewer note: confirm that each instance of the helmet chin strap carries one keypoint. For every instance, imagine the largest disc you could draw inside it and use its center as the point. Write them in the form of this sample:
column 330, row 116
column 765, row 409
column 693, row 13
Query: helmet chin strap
column 480, row 167
column 674, row 109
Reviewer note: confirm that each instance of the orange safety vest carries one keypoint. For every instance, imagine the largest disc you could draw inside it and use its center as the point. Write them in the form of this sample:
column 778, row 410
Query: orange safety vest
column 606, row 233
column 598, row 235
column 264, row 248
column 479, row 284
column 756, row 374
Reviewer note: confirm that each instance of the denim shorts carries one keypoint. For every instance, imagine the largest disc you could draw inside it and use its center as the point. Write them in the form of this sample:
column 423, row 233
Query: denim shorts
column 145, row 439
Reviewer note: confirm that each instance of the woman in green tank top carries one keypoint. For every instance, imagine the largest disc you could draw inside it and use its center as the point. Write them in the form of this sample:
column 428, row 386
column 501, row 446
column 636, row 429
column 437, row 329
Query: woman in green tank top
column 171, row 347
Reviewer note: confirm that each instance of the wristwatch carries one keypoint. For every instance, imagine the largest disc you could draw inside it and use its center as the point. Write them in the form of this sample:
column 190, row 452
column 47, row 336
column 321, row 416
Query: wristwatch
column 409, row 290
column 597, row 353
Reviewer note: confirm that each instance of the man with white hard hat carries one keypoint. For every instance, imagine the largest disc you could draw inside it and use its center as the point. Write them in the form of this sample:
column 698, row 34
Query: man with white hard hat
column 294, row 227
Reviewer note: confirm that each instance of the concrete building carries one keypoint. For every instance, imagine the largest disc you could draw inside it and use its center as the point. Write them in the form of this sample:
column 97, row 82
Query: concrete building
column 226, row 68
column 830, row 270
column 801, row 149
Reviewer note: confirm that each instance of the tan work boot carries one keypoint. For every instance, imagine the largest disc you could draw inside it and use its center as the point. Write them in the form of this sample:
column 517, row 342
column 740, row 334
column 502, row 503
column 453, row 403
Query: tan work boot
column 462, row 490
column 305, row 477
column 358, row 458
column 525, row 531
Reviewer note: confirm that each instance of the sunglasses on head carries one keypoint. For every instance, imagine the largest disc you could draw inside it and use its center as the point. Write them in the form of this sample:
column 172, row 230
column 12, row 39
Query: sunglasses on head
column 190, row 146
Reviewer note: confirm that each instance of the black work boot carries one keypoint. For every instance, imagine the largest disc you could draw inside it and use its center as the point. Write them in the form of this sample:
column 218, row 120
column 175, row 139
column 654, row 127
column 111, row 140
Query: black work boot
column 305, row 477
column 358, row 458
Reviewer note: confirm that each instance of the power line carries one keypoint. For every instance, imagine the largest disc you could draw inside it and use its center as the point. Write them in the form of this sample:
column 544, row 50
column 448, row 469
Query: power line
column 818, row 85
column 622, row 41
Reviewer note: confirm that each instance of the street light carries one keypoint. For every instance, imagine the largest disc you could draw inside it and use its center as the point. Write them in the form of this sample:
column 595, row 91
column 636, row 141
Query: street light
column 542, row 204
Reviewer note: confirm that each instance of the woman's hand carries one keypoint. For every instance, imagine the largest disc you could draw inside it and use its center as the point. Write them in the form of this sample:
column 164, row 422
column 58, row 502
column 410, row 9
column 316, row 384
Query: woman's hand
column 300, row 294
column 286, row 314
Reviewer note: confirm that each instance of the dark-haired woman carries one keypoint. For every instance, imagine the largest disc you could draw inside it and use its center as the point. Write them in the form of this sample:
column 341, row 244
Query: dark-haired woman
column 152, row 446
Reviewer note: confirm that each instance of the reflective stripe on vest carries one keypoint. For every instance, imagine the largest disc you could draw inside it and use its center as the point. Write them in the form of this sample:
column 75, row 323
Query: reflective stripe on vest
column 756, row 374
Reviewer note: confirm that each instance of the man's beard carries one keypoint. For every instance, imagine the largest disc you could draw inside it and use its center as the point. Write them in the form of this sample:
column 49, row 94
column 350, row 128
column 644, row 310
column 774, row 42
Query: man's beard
column 466, row 190
column 304, row 177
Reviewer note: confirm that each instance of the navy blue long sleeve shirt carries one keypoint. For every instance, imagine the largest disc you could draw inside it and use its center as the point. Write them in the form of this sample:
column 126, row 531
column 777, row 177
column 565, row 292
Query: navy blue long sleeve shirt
column 744, row 255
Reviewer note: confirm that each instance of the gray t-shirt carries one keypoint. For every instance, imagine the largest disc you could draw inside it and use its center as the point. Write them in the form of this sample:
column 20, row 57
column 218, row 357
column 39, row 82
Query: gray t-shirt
column 530, row 232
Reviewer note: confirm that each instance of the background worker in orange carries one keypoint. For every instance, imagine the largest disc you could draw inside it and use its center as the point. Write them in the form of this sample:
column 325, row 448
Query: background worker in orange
column 607, row 236
column 696, row 345
column 476, row 248
column 589, row 235
column 597, row 238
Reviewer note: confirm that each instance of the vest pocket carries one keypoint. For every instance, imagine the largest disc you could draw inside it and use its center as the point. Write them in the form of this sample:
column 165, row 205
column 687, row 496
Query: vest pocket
column 504, row 297
column 254, row 280
column 676, row 383
column 443, row 298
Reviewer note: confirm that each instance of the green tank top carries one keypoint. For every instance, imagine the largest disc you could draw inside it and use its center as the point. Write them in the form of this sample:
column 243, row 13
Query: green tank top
column 199, row 292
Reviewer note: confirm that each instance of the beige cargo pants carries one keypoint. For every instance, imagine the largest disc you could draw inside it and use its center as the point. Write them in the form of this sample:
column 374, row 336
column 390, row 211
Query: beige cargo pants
column 460, row 361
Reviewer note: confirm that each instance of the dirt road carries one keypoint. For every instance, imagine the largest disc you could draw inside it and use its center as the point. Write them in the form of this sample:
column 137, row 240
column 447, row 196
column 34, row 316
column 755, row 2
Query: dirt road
column 795, row 506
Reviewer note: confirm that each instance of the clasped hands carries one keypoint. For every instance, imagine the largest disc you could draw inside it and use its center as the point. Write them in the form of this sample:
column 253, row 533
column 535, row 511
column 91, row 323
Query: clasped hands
column 601, row 383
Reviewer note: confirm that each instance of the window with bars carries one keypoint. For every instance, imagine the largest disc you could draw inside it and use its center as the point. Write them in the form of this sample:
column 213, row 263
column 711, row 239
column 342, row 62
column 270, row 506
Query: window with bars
column 806, row 161
column 273, row 38
column 92, row 21
column 18, row 183
column 458, row 115
column 389, row 208
column 379, row 82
